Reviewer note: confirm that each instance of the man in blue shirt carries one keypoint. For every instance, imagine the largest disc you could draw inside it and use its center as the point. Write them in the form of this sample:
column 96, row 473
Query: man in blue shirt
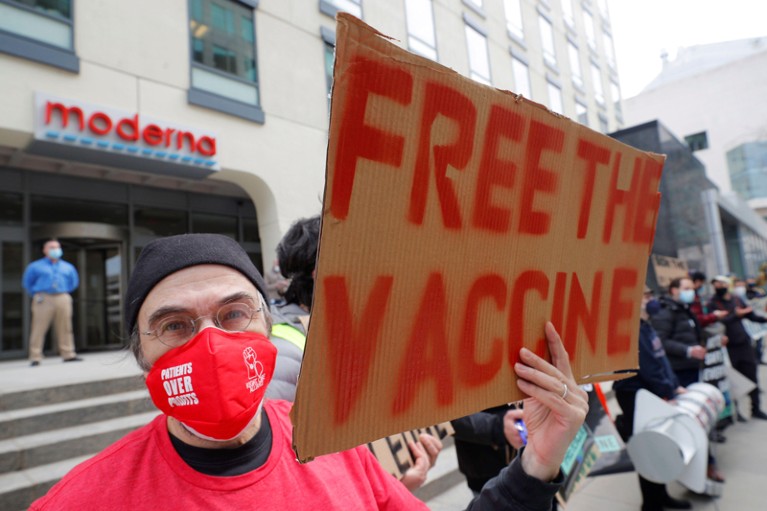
column 49, row 281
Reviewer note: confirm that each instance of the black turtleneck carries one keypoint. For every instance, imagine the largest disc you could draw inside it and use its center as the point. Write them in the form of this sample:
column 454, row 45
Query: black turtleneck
column 229, row 462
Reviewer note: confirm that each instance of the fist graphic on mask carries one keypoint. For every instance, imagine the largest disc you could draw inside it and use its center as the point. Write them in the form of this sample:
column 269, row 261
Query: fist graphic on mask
column 255, row 368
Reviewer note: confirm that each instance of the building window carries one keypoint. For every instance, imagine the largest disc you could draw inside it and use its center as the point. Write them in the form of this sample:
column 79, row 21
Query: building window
column 697, row 141
column 603, row 127
column 223, row 46
column 521, row 77
column 331, row 7
column 513, row 10
column 547, row 41
column 329, row 51
column 615, row 94
column 39, row 30
column 479, row 60
column 11, row 209
column 474, row 4
column 596, row 78
column 588, row 23
column 555, row 98
column 609, row 50
column 581, row 113
column 420, row 28
column 576, row 71
column 568, row 14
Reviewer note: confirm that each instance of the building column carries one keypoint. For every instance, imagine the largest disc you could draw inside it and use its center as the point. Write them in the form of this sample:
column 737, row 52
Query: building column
column 714, row 225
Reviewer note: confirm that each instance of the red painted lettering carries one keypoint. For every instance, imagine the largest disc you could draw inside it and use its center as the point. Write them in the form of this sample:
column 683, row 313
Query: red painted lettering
column 441, row 100
column 470, row 371
column 428, row 356
column 537, row 178
column 648, row 202
column 529, row 280
column 347, row 341
column 558, row 309
column 622, row 313
column 593, row 155
column 578, row 312
column 359, row 140
column 620, row 197
column 494, row 171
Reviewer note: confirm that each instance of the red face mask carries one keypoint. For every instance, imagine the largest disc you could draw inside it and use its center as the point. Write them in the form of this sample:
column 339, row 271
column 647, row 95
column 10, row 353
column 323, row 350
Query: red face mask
column 214, row 384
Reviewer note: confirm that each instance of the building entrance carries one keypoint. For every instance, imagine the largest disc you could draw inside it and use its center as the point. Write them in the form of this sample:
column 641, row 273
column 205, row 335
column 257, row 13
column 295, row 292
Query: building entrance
column 97, row 251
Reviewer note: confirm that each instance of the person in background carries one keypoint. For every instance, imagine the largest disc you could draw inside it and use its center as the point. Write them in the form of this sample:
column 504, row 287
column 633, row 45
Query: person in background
column 196, row 316
column 704, row 317
column 655, row 374
column 276, row 284
column 50, row 280
column 486, row 442
column 753, row 291
column 680, row 332
column 739, row 346
column 297, row 257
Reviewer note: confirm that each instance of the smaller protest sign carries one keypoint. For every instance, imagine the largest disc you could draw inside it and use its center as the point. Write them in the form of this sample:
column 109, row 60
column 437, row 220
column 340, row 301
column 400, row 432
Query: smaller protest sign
column 667, row 269
column 393, row 453
column 714, row 371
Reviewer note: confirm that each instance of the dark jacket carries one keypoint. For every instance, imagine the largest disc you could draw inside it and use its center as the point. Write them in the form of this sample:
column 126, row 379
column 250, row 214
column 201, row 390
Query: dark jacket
column 655, row 373
column 481, row 446
column 735, row 331
column 678, row 329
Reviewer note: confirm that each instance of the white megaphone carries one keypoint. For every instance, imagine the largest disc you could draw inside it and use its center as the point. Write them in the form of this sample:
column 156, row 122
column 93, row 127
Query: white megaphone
column 670, row 441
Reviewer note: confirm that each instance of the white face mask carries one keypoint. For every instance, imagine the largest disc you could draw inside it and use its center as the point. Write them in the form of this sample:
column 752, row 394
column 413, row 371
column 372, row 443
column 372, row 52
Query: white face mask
column 739, row 291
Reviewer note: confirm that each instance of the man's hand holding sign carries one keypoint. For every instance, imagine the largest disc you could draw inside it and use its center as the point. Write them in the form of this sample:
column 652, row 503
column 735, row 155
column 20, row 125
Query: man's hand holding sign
column 552, row 419
column 459, row 220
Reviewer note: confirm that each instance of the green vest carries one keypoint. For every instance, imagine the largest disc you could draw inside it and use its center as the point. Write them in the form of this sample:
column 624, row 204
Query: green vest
column 290, row 334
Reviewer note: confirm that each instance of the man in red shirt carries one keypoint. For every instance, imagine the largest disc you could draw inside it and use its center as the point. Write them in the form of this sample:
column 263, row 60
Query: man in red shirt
column 198, row 323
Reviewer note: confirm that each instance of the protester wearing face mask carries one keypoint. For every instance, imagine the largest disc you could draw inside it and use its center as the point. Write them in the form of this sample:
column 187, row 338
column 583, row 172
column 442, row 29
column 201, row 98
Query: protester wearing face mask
column 198, row 324
column 739, row 348
column 655, row 374
column 705, row 317
column 680, row 332
column 50, row 280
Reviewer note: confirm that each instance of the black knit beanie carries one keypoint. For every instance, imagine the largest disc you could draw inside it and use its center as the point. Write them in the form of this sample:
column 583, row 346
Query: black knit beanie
column 164, row 256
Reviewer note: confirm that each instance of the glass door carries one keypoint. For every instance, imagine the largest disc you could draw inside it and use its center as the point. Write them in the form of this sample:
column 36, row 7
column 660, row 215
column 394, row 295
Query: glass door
column 97, row 304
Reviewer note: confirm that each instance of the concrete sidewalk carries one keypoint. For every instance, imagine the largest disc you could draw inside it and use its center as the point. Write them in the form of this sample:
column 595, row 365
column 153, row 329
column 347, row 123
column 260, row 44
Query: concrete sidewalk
column 742, row 459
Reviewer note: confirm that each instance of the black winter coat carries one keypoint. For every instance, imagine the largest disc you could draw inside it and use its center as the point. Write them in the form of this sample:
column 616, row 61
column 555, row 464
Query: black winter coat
column 678, row 330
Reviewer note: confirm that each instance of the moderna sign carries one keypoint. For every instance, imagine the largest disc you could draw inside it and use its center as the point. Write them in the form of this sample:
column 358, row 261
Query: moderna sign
column 75, row 124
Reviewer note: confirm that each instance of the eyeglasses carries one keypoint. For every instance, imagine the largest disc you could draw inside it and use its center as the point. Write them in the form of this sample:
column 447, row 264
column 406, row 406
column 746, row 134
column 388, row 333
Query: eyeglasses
column 177, row 329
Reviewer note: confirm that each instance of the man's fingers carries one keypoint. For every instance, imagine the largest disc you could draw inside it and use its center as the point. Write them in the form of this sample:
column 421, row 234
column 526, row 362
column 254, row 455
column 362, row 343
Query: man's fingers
column 543, row 375
column 559, row 357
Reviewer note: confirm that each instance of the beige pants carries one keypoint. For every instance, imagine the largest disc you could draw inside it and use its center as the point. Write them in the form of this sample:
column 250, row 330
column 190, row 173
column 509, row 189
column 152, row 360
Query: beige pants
column 47, row 308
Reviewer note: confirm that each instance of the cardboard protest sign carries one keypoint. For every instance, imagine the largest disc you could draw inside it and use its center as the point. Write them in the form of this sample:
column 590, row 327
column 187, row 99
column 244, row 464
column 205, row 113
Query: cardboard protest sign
column 667, row 269
column 393, row 453
column 458, row 218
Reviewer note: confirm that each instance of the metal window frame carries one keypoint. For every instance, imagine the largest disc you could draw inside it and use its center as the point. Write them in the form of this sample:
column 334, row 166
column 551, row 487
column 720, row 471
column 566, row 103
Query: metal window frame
column 218, row 102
